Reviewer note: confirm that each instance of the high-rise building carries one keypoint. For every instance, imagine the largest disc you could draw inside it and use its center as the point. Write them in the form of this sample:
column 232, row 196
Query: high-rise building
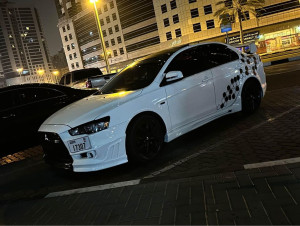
column 23, row 48
column 129, row 30
column 133, row 29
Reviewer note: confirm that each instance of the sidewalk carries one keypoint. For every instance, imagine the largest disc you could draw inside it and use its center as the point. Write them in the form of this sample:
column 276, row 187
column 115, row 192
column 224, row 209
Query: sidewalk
column 281, row 57
column 262, row 196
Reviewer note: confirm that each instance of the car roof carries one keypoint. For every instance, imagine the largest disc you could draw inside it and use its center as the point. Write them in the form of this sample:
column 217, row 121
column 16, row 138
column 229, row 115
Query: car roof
column 35, row 85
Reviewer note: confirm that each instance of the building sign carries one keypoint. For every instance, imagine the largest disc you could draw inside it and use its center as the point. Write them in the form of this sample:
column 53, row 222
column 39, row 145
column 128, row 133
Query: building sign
column 226, row 23
column 248, row 37
column 176, row 42
column 226, row 27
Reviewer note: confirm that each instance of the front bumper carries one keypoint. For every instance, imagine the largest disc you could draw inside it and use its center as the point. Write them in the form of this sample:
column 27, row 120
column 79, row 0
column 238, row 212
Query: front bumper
column 107, row 148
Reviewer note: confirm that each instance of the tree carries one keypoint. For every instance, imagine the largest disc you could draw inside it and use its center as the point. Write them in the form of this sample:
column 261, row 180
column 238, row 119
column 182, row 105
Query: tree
column 238, row 9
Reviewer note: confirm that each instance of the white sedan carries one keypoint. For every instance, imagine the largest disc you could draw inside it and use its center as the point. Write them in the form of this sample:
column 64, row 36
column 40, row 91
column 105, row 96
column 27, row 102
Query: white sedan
column 152, row 101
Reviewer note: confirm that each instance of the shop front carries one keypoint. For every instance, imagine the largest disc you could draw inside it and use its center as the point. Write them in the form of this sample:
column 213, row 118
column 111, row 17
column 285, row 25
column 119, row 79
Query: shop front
column 279, row 37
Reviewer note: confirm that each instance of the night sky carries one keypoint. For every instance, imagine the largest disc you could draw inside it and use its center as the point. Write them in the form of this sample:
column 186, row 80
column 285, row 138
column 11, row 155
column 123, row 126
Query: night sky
column 49, row 20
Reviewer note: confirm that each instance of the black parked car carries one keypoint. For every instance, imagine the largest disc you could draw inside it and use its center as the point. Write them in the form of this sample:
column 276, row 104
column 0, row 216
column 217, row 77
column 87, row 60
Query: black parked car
column 23, row 108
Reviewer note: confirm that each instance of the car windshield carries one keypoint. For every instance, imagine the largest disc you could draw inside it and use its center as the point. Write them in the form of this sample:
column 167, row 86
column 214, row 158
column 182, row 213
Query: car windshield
column 137, row 75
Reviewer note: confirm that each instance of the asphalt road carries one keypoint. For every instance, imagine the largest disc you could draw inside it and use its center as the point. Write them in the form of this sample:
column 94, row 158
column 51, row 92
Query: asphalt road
column 224, row 145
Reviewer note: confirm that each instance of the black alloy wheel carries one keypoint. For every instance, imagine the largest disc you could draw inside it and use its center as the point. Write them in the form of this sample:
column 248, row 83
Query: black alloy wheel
column 251, row 97
column 145, row 138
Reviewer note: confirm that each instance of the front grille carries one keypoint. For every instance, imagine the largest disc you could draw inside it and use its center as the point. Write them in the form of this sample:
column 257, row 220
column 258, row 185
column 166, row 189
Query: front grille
column 55, row 151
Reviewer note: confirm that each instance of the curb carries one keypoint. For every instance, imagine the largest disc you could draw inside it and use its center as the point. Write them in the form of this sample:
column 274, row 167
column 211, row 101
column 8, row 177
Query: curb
column 285, row 60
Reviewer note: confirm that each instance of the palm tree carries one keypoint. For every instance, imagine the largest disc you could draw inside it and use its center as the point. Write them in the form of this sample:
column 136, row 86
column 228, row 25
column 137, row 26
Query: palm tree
column 238, row 9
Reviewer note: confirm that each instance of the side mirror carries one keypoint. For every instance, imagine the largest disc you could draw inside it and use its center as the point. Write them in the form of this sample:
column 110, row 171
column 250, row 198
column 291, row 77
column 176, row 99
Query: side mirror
column 252, row 48
column 173, row 76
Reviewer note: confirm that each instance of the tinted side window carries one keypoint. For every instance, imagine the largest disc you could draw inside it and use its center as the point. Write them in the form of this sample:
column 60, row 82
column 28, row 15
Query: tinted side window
column 68, row 79
column 31, row 95
column 191, row 61
column 221, row 54
column 62, row 80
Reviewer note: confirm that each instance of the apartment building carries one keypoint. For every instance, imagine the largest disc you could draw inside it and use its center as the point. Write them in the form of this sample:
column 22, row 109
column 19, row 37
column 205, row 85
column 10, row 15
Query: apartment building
column 133, row 29
column 277, row 26
column 23, row 48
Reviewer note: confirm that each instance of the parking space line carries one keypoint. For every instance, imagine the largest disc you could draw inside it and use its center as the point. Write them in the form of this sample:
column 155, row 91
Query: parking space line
column 272, row 163
column 169, row 167
column 93, row 188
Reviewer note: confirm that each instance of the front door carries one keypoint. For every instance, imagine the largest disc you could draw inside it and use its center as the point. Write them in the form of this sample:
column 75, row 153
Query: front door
column 191, row 98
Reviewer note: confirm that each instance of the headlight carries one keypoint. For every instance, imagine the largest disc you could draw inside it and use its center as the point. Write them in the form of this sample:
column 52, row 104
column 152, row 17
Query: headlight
column 91, row 127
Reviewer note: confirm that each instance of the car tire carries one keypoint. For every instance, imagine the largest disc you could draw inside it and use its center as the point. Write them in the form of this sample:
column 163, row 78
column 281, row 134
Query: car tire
column 251, row 96
column 144, row 139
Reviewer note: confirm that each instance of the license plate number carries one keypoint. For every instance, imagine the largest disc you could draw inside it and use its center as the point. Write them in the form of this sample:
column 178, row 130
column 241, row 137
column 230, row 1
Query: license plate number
column 79, row 144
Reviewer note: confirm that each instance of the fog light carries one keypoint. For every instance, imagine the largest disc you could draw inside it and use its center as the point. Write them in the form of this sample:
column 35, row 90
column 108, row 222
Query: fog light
column 88, row 155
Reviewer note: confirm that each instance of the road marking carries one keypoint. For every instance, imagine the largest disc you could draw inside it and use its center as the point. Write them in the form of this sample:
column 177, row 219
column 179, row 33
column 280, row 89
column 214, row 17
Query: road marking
column 180, row 162
column 272, row 163
column 93, row 188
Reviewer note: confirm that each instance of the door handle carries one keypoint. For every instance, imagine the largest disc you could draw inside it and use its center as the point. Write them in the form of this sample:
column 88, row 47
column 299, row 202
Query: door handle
column 8, row 116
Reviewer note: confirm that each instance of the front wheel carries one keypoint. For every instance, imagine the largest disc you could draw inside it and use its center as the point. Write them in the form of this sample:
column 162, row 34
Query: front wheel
column 144, row 139
column 251, row 97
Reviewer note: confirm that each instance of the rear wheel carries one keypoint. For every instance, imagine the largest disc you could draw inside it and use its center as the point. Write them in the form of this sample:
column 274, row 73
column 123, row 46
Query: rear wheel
column 251, row 97
column 144, row 139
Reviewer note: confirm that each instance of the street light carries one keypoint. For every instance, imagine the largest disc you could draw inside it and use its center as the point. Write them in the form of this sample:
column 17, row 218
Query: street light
column 20, row 70
column 41, row 72
column 101, row 36
column 56, row 73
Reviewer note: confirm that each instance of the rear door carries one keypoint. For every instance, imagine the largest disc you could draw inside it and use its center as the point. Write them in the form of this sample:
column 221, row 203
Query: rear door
column 226, row 72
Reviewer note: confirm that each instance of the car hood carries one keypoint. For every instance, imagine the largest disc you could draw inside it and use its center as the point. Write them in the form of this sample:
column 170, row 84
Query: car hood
column 89, row 108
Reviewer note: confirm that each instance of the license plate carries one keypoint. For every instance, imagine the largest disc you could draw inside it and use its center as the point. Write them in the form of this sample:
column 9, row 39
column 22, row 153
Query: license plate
column 79, row 144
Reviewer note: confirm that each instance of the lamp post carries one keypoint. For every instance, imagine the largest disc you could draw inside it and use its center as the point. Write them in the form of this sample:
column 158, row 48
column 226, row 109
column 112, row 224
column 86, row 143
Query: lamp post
column 20, row 70
column 56, row 73
column 101, row 36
